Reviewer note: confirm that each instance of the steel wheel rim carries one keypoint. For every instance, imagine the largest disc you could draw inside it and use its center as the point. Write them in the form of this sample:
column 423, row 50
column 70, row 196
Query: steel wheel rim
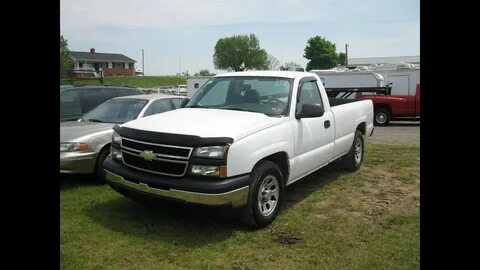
column 381, row 118
column 358, row 151
column 268, row 195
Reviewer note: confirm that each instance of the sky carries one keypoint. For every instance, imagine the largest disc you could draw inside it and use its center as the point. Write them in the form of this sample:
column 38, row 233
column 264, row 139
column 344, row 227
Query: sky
column 181, row 34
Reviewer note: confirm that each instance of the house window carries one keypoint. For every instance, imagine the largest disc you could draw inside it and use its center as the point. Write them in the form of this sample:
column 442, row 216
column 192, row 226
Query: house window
column 127, row 65
column 110, row 65
column 197, row 85
column 80, row 64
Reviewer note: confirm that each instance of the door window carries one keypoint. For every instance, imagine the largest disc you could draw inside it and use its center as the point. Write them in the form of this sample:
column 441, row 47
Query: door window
column 158, row 106
column 70, row 103
column 309, row 94
column 177, row 102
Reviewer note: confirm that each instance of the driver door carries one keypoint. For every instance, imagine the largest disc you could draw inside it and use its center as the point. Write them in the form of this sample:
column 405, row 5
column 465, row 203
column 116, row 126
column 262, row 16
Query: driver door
column 314, row 137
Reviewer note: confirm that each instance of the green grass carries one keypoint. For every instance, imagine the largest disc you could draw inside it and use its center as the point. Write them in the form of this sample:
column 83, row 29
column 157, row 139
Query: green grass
column 368, row 219
column 135, row 81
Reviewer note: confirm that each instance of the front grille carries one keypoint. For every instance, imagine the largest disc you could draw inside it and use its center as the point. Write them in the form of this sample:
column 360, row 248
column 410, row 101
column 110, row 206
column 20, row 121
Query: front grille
column 159, row 149
column 164, row 167
column 169, row 160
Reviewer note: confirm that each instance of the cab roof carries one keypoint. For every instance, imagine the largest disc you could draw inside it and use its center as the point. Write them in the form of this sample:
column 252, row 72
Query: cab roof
column 268, row 73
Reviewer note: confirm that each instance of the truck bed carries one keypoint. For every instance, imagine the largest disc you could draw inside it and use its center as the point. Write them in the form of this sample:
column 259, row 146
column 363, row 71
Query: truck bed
column 339, row 101
column 347, row 118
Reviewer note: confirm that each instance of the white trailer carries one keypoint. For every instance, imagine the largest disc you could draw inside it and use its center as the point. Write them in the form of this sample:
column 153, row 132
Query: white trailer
column 402, row 76
column 344, row 78
column 194, row 83
column 349, row 79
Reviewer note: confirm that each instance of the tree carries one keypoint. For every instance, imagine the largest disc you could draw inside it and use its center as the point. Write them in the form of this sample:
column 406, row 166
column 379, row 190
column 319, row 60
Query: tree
column 239, row 52
column 204, row 72
column 272, row 62
column 342, row 59
column 66, row 63
column 290, row 66
column 321, row 53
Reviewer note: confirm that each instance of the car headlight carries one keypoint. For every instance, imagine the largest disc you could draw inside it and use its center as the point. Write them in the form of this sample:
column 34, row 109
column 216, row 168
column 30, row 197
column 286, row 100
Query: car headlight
column 116, row 138
column 71, row 146
column 217, row 152
column 205, row 170
column 116, row 154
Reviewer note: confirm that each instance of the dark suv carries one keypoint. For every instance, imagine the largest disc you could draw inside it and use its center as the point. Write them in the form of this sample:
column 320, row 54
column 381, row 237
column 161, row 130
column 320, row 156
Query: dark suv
column 75, row 101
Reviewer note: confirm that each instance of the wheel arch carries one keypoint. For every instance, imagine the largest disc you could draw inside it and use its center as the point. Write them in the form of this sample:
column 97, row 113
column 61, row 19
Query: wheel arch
column 104, row 148
column 281, row 159
column 362, row 127
column 383, row 106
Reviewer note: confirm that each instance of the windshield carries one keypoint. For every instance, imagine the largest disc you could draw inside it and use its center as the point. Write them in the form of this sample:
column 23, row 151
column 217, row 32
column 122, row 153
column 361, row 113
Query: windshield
column 116, row 111
column 267, row 95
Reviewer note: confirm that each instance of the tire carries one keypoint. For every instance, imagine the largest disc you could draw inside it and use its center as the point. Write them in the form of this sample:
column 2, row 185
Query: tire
column 382, row 117
column 99, row 172
column 354, row 158
column 260, row 210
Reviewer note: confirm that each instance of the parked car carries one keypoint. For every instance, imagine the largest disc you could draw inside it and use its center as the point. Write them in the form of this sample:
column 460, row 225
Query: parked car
column 75, row 101
column 389, row 107
column 239, row 141
column 180, row 89
column 85, row 144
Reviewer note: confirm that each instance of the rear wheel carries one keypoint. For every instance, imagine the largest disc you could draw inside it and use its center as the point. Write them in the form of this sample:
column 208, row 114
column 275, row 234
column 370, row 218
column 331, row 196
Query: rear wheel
column 382, row 117
column 354, row 158
column 265, row 196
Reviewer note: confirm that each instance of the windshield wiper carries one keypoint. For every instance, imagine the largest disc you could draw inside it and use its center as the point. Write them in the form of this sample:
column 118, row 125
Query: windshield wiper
column 95, row 120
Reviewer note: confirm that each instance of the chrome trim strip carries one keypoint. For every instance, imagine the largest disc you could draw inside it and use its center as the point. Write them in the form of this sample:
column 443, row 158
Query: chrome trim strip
column 158, row 155
column 160, row 159
column 164, row 145
column 236, row 198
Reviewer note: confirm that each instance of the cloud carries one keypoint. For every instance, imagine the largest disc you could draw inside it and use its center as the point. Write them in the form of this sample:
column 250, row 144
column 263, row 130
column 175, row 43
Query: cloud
column 168, row 29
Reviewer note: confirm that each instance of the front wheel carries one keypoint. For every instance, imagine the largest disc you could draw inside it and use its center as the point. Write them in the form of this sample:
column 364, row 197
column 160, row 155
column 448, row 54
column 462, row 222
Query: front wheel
column 99, row 172
column 265, row 196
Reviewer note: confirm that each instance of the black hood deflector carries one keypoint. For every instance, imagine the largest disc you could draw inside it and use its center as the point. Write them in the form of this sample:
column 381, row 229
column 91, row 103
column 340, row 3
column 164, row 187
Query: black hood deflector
column 170, row 138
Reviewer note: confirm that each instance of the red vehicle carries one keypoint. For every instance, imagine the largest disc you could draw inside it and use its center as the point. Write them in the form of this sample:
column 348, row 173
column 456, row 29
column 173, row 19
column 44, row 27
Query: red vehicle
column 389, row 107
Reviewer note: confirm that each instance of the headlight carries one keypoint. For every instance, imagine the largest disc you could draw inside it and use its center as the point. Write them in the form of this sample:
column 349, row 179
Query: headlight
column 116, row 139
column 218, row 171
column 217, row 152
column 70, row 147
column 116, row 154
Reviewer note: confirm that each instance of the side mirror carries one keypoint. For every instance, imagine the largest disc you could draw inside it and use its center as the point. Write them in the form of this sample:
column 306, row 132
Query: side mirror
column 310, row 111
column 184, row 102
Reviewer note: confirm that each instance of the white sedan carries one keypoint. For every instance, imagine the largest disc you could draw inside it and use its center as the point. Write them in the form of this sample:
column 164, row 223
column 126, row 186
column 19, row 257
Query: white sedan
column 85, row 144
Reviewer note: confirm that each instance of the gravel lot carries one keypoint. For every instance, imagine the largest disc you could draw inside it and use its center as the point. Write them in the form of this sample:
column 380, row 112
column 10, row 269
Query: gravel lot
column 397, row 132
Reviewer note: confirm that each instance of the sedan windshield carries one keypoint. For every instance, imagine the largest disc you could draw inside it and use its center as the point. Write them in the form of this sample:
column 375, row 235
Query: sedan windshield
column 116, row 111
column 267, row 95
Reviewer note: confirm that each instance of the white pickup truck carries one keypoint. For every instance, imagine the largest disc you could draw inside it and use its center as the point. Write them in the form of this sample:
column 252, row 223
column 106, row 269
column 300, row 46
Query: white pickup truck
column 239, row 141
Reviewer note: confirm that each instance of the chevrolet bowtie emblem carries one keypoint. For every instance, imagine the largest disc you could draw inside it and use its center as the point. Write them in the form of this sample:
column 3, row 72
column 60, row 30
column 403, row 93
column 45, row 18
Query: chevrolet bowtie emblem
column 147, row 155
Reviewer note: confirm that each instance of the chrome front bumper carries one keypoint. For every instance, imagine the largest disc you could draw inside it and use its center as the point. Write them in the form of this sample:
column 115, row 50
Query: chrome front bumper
column 236, row 198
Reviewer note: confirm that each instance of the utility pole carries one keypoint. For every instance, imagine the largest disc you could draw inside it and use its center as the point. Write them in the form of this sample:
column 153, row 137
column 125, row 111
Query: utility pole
column 180, row 71
column 346, row 55
column 143, row 65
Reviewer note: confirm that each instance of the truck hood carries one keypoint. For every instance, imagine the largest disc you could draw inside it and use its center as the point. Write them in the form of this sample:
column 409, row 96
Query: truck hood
column 206, row 123
column 71, row 131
